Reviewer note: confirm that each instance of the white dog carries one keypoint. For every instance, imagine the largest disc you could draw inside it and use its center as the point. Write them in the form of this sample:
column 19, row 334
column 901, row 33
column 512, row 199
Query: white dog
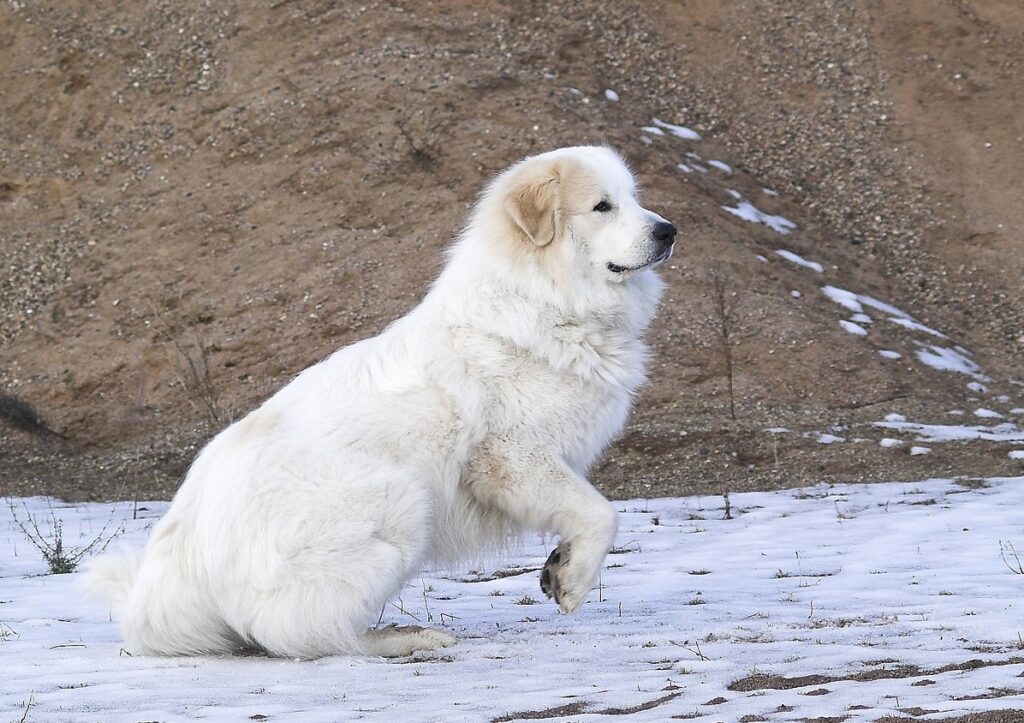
column 474, row 417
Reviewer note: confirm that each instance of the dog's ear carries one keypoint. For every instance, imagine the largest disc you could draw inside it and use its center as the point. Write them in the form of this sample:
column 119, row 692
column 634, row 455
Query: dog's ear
column 533, row 205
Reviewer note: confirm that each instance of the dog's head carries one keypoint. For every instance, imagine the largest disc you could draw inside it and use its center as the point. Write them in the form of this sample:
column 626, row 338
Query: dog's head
column 578, row 207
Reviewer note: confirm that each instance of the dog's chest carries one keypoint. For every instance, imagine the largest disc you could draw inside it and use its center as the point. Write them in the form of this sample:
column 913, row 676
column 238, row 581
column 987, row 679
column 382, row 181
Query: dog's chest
column 572, row 392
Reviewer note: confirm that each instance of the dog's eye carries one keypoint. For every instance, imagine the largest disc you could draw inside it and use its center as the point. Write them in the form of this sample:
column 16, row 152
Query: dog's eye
column 603, row 207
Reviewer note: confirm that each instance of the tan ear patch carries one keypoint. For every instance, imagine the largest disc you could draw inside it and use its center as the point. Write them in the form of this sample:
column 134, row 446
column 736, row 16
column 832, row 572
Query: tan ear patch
column 533, row 206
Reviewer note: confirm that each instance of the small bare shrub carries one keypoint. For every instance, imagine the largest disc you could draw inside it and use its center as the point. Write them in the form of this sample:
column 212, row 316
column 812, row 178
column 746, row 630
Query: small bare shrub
column 190, row 360
column 60, row 557
column 193, row 366
column 423, row 133
column 724, row 310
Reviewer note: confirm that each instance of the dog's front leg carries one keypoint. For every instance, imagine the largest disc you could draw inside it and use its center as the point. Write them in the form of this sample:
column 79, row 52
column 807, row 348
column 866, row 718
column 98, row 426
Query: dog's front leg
column 537, row 490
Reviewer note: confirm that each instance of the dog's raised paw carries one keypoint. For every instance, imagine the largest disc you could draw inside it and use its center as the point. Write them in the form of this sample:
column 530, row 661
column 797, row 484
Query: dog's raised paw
column 549, row 576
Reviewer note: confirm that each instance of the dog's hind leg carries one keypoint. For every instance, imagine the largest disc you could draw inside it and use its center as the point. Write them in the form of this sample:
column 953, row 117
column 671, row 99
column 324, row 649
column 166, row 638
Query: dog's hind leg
column 330, row 570
column 328, row 599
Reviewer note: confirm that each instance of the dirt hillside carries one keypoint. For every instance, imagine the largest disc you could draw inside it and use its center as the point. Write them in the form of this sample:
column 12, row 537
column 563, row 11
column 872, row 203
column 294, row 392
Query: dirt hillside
column 200, row 199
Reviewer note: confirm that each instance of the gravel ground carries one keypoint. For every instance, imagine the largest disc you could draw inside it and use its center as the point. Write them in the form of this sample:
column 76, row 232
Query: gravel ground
column 213, row 196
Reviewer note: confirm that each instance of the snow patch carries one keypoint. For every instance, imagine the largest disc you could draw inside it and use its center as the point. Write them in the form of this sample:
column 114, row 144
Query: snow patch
column 913, row 325
column 844, row 298
column 949, row 360
column 800, row 260
column 853, row 328
column 936, row 433
column 857, row 302
column 889, row 354
column 888, row 442
column 749, row 212
column 677, row 131
column 987, row 413
column 917, row 451
column 611, row 95
column 723, row 167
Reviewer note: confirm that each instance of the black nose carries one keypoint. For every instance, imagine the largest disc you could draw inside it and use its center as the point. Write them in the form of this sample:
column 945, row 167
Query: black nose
column 664, row 233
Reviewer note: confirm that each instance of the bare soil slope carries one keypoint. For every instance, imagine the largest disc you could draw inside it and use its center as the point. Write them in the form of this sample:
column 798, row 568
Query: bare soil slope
column 198, row 200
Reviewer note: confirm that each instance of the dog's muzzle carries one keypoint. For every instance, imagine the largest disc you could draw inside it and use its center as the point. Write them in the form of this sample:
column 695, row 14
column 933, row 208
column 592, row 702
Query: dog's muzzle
column 664, row 235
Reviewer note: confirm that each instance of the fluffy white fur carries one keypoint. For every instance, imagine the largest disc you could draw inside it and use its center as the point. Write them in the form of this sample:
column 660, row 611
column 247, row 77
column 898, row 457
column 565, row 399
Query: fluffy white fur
column 475, row 416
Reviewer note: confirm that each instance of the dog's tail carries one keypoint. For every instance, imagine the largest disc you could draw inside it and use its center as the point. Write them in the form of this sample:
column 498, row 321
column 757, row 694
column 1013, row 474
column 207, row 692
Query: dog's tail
column 110, row 577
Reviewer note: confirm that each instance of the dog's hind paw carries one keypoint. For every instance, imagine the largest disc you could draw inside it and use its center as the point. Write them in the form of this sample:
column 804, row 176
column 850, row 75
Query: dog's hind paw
column 395, row 642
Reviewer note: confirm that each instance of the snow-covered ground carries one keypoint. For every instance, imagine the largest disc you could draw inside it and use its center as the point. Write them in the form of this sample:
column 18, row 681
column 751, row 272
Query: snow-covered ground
column 852, row 600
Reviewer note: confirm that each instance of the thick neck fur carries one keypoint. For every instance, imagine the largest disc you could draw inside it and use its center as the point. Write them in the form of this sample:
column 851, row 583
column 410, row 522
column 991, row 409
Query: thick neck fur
column 550, row 306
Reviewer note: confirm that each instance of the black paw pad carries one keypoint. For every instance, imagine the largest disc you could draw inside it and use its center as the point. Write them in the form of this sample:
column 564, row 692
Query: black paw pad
column 548, row 579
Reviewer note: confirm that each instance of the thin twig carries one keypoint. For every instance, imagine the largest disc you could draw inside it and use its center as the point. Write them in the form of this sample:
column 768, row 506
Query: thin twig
column 28, row 705
column 725, row 323
column 401, row 609
column 426, row 604
column 695, row 649
column 1017, row 568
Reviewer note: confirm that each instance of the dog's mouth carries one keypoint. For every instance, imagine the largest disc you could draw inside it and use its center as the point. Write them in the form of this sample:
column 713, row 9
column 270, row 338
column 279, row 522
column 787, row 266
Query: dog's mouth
column 663, row 256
